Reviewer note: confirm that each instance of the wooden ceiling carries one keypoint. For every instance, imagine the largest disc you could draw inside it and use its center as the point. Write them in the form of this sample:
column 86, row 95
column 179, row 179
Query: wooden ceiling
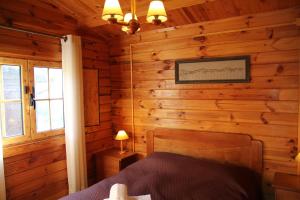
column 84, row 16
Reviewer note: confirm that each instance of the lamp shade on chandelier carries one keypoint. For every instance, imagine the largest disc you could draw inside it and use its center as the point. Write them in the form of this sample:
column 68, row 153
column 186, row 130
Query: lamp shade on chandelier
column 156, row 13
column 112, row 13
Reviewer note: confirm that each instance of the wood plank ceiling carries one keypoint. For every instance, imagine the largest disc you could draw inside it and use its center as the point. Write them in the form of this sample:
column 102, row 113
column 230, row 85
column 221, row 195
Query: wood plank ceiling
column 84, row 16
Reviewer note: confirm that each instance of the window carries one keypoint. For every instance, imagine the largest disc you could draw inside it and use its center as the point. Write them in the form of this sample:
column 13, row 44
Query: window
column 47, row 99
column 31, row 100
column 13, row 100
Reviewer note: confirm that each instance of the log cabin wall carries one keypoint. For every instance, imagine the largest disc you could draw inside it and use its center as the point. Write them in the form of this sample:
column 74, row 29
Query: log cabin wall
column 37, row 170
column 266, row 108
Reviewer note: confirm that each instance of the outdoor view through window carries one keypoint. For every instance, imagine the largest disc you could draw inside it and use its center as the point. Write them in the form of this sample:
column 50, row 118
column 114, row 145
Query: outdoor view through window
column 11, row 101
column 48, row 99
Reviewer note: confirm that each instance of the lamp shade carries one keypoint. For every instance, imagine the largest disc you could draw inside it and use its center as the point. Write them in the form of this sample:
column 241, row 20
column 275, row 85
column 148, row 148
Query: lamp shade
column 112, row 10
column 156, row 11
column 127, row 18
column 122, row 135
column 298, row 157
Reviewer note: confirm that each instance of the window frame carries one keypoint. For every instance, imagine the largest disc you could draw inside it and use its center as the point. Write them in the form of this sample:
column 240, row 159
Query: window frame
column 24, row 99
column 33, row 129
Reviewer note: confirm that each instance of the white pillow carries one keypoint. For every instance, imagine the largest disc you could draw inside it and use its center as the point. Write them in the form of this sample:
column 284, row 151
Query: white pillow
column 119, row 192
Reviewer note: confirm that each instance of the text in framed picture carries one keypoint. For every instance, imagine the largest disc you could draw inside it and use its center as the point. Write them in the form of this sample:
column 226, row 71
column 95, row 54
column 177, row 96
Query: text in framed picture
column 213, row 70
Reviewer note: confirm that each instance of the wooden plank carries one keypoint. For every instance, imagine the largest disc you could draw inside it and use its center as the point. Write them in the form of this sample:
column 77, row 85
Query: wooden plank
column 105, row 108
column 31, row 154
column 203, row 125
column 31, row 186
column 10, row 151
column 165, row 70
column 34, row 161
column 236, row 24
column 23, row 36
column 298, row 21
column 99, row 145
column 229, row 105
column 98, row 135
column 210, row 51
column 45, row 192
column 35, row 173
column 103, row 125
column 164, row 80
column 20, row 45
column 104, row 100
column 298, row 162
column 276, row 37
column 225, row 116
column 218, row 94
column 283, row 143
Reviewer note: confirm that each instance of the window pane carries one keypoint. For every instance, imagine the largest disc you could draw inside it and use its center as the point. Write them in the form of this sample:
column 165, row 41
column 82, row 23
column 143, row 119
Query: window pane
column 42, row 116
column 57, row 114
column 11, row 81
column 13, row 119
column 41, row 83
column 55, row 78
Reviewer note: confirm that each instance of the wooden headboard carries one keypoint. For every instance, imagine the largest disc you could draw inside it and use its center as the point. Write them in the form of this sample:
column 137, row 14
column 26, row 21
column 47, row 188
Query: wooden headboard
column 232, row 148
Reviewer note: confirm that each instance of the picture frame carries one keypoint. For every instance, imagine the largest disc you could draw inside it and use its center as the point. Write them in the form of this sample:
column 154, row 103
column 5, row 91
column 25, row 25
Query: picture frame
column 213, row 70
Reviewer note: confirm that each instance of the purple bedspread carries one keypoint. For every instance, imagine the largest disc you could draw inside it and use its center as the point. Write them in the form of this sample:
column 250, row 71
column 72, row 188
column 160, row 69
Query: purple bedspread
column 168, row 176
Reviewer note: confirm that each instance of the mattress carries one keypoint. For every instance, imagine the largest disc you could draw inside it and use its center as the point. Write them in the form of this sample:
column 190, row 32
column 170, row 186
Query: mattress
column 168, row 176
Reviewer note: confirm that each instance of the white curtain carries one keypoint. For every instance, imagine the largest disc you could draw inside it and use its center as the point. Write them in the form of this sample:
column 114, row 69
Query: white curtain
column 74, row 113
column 2, row 177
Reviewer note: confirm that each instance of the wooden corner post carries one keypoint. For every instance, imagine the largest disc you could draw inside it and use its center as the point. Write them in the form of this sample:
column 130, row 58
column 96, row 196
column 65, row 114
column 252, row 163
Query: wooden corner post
column 298, row 162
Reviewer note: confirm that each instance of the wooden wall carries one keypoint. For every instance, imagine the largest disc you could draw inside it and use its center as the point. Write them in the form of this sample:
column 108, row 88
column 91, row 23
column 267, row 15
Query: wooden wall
column 99, row 136
column 266, row 108
column 37, row 170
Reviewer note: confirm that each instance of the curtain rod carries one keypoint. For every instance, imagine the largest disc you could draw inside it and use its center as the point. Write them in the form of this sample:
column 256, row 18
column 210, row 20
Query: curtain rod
column 33, row 32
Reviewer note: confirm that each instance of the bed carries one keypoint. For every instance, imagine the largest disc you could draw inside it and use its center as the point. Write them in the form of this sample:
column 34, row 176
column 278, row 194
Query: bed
column 186, row 164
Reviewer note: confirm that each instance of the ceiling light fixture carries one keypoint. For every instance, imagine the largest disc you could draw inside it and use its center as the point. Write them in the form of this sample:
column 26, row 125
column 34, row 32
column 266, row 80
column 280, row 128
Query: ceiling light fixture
column 112, row 13
column 127, row 18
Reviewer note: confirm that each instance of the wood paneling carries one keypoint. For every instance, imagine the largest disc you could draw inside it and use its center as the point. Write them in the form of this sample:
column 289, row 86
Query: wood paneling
column 266, row 108
column 98, row 136
column 84, row 16
column 26, row 14
column 142, row 9
column 20, row 45
column 37, row 170
column 201, row 12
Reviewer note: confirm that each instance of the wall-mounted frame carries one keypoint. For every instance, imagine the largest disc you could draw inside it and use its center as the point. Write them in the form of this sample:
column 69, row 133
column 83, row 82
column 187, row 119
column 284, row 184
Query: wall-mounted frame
column 91, row 96
column 213, row 70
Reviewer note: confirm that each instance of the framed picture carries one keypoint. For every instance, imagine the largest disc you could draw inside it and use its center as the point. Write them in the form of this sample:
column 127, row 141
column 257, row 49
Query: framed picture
column 213, row 70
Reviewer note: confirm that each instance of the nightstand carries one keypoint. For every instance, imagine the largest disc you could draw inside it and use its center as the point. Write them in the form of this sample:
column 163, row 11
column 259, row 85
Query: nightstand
column 110, row 162
column 287, row 186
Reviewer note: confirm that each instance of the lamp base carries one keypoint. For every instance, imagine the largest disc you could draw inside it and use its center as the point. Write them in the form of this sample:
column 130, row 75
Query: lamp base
column 112, row 21
column 156, row 21
column 122, row 152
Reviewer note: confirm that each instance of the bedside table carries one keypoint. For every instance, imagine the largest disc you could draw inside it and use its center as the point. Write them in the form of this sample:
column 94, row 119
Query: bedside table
column 287, row 186
column 110, row 162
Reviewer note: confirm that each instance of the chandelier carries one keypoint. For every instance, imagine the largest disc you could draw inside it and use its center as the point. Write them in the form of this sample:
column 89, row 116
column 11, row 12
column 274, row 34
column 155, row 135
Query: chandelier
column 112, row 13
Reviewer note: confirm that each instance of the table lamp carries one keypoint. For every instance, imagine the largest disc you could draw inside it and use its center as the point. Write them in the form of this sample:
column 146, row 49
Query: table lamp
column 122, row 135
